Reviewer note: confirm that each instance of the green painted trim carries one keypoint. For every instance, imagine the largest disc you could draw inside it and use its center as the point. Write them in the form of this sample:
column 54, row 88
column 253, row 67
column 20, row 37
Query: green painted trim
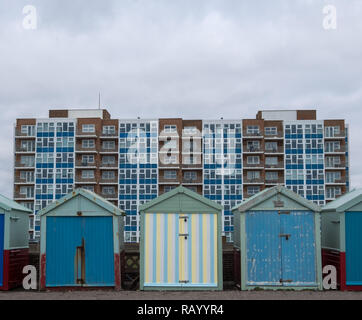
column 180, row 190
column 91, row 196
column 266, row 194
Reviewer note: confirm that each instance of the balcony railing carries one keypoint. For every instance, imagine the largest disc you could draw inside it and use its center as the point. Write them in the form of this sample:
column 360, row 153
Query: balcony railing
column 18, row 164
column 18, row 133
column 79, row 147
column 253, row 180
column 115, row 149
column 18, row 195
column 274, row 181
column 335, row 150
column 275, row 150
column 253, row 165
column 189, row 181
column 25, row 181
column 273, row 136
column 22, row 149
column 109, row 181
column 252, row 134
column 336, row 181
column 84, row 164
column 252, row 149
column 335, row 165
column 341, row 134
column 274, row 165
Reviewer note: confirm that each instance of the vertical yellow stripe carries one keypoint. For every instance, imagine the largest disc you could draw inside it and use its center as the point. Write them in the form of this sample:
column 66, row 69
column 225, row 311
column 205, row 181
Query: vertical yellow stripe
column 146, row 250
column 170, row 248
column 204, row 247
column 158, row 248
column 193, row 247
column 215, row 249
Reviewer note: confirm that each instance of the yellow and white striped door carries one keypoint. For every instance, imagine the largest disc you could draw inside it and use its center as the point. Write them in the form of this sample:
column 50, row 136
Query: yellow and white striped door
column 180, row 250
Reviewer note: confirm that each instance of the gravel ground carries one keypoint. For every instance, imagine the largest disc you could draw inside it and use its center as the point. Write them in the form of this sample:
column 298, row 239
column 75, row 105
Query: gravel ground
column 138, row 295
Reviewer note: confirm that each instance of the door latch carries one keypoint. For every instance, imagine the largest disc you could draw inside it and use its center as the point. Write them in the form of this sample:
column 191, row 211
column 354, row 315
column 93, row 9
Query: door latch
column 285, row 281
column 285, row 235
column 184, row 235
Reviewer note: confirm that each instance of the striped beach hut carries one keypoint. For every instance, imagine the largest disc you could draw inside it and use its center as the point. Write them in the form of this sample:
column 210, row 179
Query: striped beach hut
column 180, row 247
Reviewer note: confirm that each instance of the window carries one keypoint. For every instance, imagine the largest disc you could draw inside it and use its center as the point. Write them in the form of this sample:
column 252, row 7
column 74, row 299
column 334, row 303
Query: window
column 253, row 190
column 88, row 143
column 170, row 174
column 252, row 130
column 271, row 176
column 190, row 175
column 253, row 175
column 28, row 130
column 271, row 131
column 89, row 188
column 109, row 130
column 108, row 145
column 108, row 190
column 107, row 160
column 87, row 159
column 27, row 161
column 271, row 161
column 333, row 162
column 28, row 176
column 27, row 145
column 88, row 128
column 253, row 145
column 333, row 176
column 333, row 146
column 28, row 192
column 170, row 129
column 271, row 146
column 253, row 160
column 333, row 192
column 108, row 175
column 87, row 174
column 169, row 188
column 192, row 188
column 190, row 130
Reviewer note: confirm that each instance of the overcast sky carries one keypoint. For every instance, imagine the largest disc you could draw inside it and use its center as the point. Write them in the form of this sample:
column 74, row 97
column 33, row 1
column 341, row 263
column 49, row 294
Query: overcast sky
column 180, row 58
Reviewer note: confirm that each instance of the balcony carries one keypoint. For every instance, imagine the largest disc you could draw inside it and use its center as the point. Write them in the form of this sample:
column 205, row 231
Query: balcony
column 331, row 166
column 109, row 181
column 110, row 196
column 277, row 136
column 20, row 149
column 19, row 165
column 109, row 165
column 278, row 150
column 21, row 196
column 277, row 166
column 341, row 181
column 19, row 134
column 107, row 150
column 253, row 150
column 198, row 180
column 85, row 180
column 253, row 165
column 81, row 134
column 274, row 181
column 109, row 135
column 256, row 135
column 342, row 149
column 253, row 180
column 163, row 180
column 85, row 164
column 81, row 149
column 334, row 136
column 18, row 180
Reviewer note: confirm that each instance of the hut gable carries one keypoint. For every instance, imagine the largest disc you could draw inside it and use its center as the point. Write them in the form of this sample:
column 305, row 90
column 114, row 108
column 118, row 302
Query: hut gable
column 351, row 201
column 275, row 198
column 181, row 200
column 82, row 200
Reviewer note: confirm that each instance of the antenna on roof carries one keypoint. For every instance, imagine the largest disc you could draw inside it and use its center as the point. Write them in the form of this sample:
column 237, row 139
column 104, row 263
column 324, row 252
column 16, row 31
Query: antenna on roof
column 99, row 101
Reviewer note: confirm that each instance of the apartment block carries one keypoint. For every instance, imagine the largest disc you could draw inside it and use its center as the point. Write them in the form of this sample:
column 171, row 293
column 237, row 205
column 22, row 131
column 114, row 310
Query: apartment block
column 132, row 161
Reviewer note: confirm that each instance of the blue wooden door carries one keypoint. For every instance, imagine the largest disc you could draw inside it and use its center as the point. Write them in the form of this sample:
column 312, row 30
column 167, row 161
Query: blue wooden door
column 64, row 235
column 2, row 232
column 99, row 252
column 353, row 221
column 263, row 248
column 298, row 249
column 79, row 251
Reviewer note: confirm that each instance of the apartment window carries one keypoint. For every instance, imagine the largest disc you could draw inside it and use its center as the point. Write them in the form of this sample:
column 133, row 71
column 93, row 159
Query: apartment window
column 253, row 175
column 107, row 160
column 88, row 128
column 253, row 190
column 271, row 176
column 109, row 130
column 333, row 192
column 28, row 130
column 271, row 131
column 108, row 175
column 332, row 146
column 108, row 145
column 108, row 190
column 28, row 205
column 333, row 161
column 87, row 174
column 28, row 192
column 169, row 160
column 253, row 145
column 89, row 188
column 271, row 160
column 333, row 176
column 252, row 130
column 169, row 188
column 27, row 161
column 88, row 143
column 28, row 176
column 86, row 159
column 190, row 175
column 170, row 174
column 170, row 129
column 253, row 160
column 192, row 188
column 27, row 145
column 271, row 146
column 190, row 130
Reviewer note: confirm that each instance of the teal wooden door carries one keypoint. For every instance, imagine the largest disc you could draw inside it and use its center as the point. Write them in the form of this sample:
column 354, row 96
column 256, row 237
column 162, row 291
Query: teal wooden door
column 2, row 231
column 353, row 222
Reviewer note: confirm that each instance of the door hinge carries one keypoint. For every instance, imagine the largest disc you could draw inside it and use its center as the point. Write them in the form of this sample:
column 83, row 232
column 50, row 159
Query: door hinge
column 184, row 217
column 283, row 212
column 184, row 281
column 285, row 235
column 183, row 235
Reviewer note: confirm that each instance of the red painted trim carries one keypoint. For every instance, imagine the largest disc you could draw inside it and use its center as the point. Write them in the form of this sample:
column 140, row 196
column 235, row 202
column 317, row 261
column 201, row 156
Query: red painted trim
column 6, row 271
column 42, row 271
column 344, row 286
column 117, row 272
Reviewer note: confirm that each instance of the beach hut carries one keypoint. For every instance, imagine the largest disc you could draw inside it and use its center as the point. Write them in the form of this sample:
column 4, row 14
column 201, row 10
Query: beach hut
column 14, row 242
column 81, row 242
column 342, row 238
column 181, row 246
column 277, row 241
